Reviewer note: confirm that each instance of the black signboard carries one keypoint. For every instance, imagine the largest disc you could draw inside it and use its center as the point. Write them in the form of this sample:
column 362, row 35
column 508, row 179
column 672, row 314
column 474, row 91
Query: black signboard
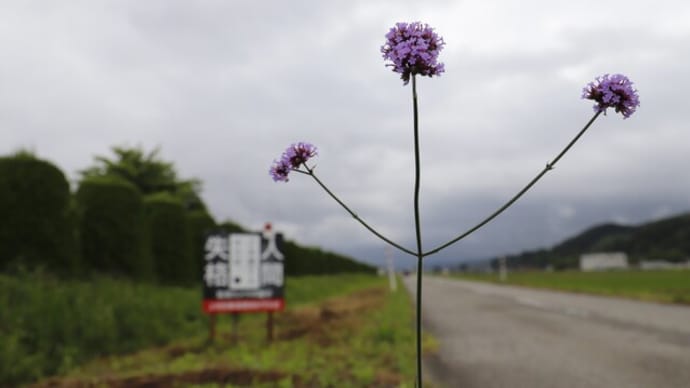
column 243, row 272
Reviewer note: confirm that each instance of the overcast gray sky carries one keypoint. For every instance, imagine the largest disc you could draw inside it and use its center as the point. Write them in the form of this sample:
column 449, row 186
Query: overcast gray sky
column 224, row 86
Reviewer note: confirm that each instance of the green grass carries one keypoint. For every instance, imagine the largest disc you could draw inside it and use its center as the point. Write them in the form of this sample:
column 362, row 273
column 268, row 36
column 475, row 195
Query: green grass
column 670, row 286
column 47, row 325
column 311, row 289
column 54, row 327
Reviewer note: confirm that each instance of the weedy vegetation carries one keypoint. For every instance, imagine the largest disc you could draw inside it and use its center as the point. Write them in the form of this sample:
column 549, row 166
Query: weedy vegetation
column 341, row 330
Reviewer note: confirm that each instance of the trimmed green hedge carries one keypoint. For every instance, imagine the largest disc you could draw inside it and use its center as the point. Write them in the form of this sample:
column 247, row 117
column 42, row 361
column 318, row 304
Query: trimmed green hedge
column 169, row 239
column 111, row 228
column 35, row 224
column 199, row 223
column 313, row 261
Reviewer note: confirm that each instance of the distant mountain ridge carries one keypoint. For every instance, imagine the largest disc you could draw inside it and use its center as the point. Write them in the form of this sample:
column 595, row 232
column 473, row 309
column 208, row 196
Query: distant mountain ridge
column 665, row 239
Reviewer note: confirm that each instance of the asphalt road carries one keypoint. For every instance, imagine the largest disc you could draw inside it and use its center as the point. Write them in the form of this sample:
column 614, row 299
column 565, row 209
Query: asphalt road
column 502, row 336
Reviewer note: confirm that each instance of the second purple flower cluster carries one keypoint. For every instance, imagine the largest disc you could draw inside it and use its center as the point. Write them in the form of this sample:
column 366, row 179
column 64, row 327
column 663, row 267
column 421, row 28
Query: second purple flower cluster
column 293, row 157
column 612, row 91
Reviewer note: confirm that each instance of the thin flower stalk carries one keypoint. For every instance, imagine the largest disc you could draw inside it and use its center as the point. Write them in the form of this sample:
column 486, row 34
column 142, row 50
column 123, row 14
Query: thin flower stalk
column 418, row 231
column 547, row 168
column 310, row 172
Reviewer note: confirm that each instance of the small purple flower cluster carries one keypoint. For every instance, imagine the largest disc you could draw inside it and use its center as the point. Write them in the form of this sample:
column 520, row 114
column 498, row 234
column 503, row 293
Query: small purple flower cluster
column 413, row 48
column 612, row 91
column 293, row 157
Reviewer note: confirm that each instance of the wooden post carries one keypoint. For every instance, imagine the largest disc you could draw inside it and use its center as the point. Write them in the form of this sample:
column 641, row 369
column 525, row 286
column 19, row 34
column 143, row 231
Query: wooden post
column 211, row 328
column 269, row 326
column 392, row 281
column 234, row 337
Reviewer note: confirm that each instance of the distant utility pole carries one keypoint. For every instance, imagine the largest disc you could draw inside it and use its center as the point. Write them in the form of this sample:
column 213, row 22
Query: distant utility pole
column 391, row 271
column 503, row 269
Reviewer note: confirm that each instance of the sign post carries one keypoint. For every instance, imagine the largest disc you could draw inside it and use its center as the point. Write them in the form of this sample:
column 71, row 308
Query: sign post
column 269, row 326
column 212, row 328
column 243, row 272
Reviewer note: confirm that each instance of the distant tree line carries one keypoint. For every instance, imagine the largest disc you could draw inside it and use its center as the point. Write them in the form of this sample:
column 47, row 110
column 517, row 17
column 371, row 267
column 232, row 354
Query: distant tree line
column 314, row 261
column 666, row 239
column 129, row 216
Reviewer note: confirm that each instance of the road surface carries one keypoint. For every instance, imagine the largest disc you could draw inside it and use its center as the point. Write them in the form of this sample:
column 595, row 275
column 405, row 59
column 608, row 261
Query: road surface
column 503, row 336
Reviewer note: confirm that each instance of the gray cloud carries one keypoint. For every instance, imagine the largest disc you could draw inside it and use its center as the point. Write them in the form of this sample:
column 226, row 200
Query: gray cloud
column 224, row 87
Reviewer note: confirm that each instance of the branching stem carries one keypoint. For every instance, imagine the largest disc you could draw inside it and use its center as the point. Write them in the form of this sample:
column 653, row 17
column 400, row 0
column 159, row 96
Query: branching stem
column 547, row 168
column 310, row 172
column 420, row 254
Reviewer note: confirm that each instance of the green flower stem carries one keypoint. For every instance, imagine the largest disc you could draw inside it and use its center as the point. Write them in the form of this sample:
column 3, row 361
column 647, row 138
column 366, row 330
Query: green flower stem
column 418, row 231
column 549, row 166
column 310, row 172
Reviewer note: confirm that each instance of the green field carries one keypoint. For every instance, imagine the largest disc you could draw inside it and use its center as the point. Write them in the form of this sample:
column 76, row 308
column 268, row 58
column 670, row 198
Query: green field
column 671, row 286
column 344, row 330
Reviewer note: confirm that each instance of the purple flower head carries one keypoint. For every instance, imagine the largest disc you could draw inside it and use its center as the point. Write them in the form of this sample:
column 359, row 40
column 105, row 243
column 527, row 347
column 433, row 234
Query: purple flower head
column 413, row 48
column 299, row 153
column 612, row 91
column 280, row 170
column 292, row 158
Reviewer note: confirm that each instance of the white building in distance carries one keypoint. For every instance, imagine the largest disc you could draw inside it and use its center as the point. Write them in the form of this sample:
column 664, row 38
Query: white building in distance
column 603, row 261
column 661, row 264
